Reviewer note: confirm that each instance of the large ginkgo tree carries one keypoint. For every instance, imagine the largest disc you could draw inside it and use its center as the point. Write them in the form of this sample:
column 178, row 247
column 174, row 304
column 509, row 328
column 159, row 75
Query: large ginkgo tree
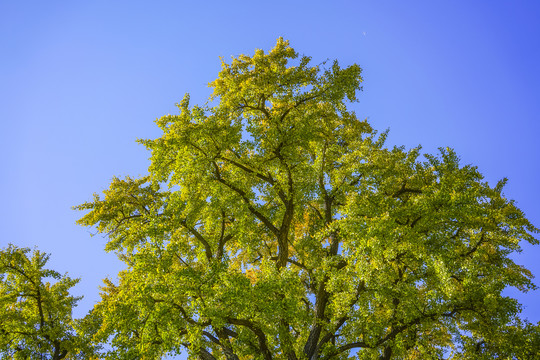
column 275, row 224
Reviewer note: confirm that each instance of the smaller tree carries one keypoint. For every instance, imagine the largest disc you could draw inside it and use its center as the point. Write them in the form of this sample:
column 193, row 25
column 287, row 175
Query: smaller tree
column 35, row 314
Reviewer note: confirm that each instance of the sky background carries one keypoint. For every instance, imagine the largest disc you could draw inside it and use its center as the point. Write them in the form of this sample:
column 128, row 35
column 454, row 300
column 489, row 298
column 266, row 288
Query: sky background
column 80, row 81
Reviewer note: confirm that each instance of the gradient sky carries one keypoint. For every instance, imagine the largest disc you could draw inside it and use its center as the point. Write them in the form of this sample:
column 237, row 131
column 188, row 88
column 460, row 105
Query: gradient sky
column 80, row 81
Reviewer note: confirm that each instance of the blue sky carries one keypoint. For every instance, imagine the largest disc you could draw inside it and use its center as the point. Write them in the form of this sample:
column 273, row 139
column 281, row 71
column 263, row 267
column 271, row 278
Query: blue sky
column 80, row 81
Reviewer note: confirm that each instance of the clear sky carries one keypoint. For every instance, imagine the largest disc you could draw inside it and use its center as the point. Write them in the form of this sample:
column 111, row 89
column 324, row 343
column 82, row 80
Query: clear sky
column 80, row 81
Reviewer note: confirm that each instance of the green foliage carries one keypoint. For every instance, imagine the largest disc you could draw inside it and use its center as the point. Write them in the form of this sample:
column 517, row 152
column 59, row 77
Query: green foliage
column 35, row 314
column 274, row 224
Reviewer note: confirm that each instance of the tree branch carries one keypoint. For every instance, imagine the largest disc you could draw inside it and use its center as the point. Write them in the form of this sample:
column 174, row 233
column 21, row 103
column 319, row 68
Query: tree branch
column 249, row 204
column 475, row 247
column 198, row 236
column 261, row 337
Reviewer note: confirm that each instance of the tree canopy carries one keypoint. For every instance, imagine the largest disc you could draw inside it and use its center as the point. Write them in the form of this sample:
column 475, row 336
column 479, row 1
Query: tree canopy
column 274, row 224
column 35, row 314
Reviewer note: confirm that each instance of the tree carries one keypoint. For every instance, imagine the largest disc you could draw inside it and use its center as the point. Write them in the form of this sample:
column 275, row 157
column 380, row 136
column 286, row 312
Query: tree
column 274, row 224
column 35, row 315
